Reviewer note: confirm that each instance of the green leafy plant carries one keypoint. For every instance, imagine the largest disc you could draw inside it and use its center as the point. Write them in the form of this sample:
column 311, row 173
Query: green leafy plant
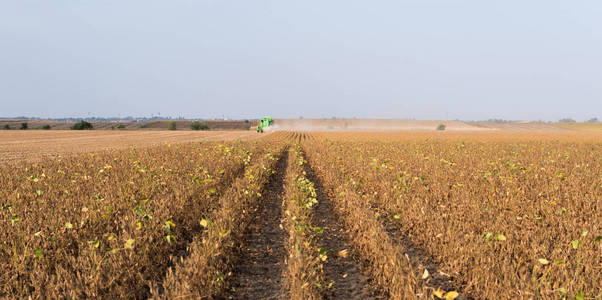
column 494, row 237
column 575, row 244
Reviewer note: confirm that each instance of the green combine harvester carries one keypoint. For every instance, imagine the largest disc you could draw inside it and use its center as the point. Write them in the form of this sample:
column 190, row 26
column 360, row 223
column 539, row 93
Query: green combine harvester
column 263, row 123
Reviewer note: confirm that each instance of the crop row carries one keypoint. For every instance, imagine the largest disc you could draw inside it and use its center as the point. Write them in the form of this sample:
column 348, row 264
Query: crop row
column 506, row 219
column 426, row 216
column 107, row 224
column 388, row 266
column 203, row 272
column 304, row 274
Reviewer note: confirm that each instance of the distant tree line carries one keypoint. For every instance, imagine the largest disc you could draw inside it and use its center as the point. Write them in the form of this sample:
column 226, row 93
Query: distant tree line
column 567, row 120
column 499, row 121
column 563, row 120
column 571, row 120
column 24, row 126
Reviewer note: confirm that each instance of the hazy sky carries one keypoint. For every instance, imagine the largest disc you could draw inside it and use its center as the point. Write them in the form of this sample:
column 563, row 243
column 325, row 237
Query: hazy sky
column 423, row 59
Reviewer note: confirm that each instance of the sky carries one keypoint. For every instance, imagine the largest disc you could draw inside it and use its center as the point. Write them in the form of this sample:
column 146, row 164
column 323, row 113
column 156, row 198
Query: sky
column 418, row 59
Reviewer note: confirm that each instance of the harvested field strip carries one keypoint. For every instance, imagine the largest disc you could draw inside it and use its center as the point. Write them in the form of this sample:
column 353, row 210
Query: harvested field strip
column 37, row 145
column 261, row 256
column 304, row 275
column 206, row 270
column 301, row 136
column 388, row 266
column 133, row 199
column 489, row 137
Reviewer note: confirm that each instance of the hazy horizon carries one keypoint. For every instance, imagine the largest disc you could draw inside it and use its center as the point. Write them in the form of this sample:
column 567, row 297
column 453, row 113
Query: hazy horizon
column 176, row 118
column 420, row 59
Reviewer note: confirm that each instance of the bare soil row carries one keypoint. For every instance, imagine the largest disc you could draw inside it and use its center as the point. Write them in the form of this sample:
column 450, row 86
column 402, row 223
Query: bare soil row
column 314, row 238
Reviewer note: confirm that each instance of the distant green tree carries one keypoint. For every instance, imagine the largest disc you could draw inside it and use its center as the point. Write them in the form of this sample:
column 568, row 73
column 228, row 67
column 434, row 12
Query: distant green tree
column 82, row 125
column 120, row 126
column 6, row 127
column 46, row 127
column 592, row 120
column 24, row 126
column 441, row 127
column 171, row 126
column 196, row 125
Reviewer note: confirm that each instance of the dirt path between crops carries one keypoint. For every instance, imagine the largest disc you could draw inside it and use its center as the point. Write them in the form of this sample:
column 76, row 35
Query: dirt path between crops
column 421, row 260
column 348, row 280
column 258, row 274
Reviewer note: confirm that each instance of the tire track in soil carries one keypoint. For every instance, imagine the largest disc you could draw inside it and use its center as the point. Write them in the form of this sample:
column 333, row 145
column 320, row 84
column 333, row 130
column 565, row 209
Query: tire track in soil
column 349, row 281
column 258, row 273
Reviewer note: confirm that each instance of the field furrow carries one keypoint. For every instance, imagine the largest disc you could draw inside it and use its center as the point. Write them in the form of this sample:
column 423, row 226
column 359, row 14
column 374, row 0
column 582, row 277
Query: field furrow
column 430, row 271
column 207, row 270
column 343, row 267
column 129, row 201
column 388, row 266
column 297, row 215
column 262, row 253
column 517, row 220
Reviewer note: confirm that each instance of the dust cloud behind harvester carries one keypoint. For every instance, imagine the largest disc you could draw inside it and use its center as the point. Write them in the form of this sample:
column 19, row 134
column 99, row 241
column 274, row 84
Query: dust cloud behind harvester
column 369, row 125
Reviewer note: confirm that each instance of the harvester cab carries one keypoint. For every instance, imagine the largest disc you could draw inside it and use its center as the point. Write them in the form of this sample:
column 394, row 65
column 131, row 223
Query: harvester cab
column 263, row 123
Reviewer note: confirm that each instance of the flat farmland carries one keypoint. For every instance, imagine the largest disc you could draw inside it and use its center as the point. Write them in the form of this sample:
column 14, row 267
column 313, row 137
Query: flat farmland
column 34, row 145
column 309, row 215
